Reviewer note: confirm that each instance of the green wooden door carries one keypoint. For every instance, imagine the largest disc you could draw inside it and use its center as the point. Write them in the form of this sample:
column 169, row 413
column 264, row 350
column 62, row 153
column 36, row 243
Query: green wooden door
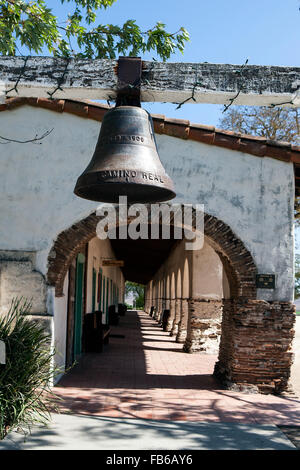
column 99, row 293
column 103, row 297
column 94, row 290
column 107, row 299
column 79, row 285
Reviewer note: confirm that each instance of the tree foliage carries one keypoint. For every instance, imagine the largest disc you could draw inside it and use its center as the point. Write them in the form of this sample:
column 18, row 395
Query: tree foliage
column 276, row 123
column 32, row 25
column 138, row 290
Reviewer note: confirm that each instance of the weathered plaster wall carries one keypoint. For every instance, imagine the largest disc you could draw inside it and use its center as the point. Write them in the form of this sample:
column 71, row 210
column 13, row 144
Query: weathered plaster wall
column 207, row 278
column 60, row 326
column 253, row 195
column 18, row 279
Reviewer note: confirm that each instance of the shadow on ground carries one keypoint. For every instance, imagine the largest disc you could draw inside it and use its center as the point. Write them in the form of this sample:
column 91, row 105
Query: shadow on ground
column 141, row 376
column 78, row 432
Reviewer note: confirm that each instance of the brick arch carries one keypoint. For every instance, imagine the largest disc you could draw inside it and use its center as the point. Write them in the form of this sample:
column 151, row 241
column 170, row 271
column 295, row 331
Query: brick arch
column 237, row 260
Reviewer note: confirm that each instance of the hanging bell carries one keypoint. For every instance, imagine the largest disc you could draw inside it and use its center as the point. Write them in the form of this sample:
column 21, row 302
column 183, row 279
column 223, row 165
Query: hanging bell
column 125, row 161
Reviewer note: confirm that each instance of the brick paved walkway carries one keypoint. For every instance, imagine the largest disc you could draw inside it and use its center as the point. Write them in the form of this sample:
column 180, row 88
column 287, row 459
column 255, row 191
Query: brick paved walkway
column 145, row 374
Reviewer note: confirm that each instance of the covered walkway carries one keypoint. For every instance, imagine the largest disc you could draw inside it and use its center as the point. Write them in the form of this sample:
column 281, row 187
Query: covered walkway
column 143, row 373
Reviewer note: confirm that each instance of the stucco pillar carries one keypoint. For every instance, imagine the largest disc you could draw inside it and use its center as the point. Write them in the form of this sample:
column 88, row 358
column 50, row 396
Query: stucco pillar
column 204, row 326
column 163, row 300
column 171, row 315
column 205, row 302
column 183, row 322
column 158, row 311
column 176, row 320
column 155, row 300
column 148, row 301
column 256, row 345
column 165, row 314
column 171, row 306
column 148, row 297
column 160, row 300
column 156, row 314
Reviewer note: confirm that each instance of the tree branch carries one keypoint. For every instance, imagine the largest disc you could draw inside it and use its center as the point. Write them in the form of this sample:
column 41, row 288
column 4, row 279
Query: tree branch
column 35, row 139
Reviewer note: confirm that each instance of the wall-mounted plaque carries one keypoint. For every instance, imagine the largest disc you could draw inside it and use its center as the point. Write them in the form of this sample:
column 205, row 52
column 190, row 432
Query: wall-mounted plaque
column 265, row 281
column 112, row 262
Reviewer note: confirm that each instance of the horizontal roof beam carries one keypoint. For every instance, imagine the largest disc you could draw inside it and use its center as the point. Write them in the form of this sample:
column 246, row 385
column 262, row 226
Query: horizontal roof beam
column 78, row 79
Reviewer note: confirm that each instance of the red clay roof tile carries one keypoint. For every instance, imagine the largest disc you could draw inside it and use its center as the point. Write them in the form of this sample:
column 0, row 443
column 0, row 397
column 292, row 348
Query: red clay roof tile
column 180, row 128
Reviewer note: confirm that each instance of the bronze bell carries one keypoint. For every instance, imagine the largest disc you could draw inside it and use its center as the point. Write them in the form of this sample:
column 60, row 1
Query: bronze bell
column 125, row 161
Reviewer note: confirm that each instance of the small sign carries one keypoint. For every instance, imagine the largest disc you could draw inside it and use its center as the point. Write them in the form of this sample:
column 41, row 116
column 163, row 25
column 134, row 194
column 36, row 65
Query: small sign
column 2, row 353
column 112, row 262
column 265, row 281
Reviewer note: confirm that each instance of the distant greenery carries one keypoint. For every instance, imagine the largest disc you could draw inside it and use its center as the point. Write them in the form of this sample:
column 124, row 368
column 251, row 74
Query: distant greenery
column 138, row 291
column 25, row 394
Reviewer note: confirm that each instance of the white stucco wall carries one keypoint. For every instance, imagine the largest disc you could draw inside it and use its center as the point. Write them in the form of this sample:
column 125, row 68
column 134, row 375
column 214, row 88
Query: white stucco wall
column 60, row 326
column 97, row 250
column 253, row 195
column 207, row 278
column 178, row 259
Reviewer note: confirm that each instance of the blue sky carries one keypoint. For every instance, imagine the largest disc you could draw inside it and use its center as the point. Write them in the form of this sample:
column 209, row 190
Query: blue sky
column 266, row 32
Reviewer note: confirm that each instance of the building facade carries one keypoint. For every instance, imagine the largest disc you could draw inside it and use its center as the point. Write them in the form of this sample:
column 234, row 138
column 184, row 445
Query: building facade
column 49, row 250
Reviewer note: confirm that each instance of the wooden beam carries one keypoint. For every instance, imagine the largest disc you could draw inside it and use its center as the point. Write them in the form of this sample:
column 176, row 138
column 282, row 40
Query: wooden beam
column 161, row 82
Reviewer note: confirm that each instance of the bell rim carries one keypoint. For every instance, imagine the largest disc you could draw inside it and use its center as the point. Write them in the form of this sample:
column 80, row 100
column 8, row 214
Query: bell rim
column 144, row 193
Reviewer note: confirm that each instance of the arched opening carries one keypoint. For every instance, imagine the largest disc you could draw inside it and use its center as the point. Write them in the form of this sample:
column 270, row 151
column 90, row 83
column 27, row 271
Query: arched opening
column 237, row 260
column 167, row 285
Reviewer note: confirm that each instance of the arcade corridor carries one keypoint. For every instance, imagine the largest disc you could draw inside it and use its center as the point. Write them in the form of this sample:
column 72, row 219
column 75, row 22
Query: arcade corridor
column 143, row 373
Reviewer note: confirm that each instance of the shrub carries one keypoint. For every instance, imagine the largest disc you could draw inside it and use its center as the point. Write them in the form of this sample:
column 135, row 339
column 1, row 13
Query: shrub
column 25, row 380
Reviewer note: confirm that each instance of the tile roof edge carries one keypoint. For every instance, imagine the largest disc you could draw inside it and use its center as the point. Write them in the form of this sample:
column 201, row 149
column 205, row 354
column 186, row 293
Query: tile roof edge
column 180, row 128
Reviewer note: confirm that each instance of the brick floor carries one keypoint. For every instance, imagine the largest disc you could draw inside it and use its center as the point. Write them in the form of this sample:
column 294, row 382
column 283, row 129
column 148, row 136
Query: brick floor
column 145, row 374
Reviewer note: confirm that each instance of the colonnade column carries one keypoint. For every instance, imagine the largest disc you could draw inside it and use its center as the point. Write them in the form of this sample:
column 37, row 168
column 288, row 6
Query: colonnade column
column 205, row 302
column 183, row 322
column 177, row 316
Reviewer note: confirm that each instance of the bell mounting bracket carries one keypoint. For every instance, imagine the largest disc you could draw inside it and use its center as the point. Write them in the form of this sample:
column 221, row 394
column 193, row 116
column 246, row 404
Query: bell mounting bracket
column 129, row 81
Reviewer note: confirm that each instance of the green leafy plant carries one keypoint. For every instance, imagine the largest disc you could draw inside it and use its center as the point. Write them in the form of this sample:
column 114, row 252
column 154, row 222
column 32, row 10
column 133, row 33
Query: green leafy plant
column 34, row 26
column 26, row 397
